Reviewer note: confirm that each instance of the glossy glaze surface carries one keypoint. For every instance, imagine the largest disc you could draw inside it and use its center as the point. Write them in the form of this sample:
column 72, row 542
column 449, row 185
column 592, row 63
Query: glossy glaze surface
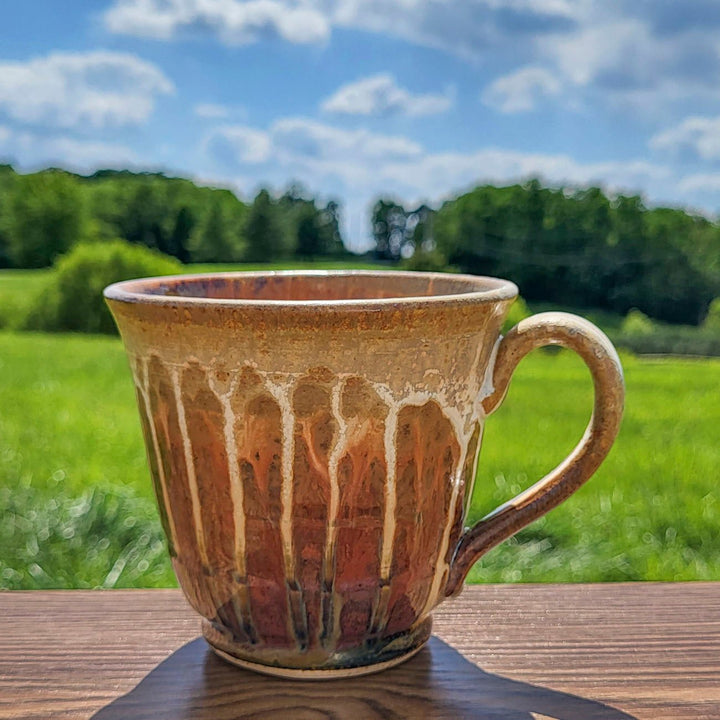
column 312, row 440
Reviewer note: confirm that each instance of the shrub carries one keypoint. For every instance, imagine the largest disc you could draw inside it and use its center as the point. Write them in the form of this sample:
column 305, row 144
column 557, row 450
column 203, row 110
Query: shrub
column 74, row 300
column 672, row 340
column 637, row 323
column 712, row 319
column 639, row 334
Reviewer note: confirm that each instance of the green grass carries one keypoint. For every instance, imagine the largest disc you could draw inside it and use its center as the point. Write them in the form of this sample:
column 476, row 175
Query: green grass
column 75, row 503
column 652, row 511
column 18, row 289
column 76, row 506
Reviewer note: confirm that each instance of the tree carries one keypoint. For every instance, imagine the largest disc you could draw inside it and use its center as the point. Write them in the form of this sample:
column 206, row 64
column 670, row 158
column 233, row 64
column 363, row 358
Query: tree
column 335, row 244
column 263, row 234
column 213, row 241
column 418, row 229
column 295, row 195
column 142, row 220
column 670, row 285
column 590, row 229
column 317, row 232
column 180, row 237
column 310, row 233
column 7, row 180
column 45, row 216
column 161, row 212
column 389, row 228
column 582, row 249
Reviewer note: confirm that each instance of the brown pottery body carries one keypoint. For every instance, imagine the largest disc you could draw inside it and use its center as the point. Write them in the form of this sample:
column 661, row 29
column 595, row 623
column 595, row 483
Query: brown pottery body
column 313, row 440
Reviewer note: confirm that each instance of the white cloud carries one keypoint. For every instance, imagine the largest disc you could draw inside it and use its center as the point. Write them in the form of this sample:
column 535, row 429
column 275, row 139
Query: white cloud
column 211, row 111
column 645, row 56
column 31, row 150
column 700, row 183
column 332, row 151
column 307, row 145
column 468, row 28
column 597, row 48
column 462, row 27
column 440, row 174
column 624, row 60
column 381, row 95
column 244, row 144
column 78, row 89
column 235, row 22
column 700, row 135
column 521, row 90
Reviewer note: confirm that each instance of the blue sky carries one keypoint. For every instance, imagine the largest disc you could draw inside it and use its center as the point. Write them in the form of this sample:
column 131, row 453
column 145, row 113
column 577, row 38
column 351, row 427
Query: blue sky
column 419, row 99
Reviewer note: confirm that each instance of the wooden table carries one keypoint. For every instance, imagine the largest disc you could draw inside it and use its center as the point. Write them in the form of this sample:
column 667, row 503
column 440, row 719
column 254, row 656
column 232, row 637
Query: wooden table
column 567, row 652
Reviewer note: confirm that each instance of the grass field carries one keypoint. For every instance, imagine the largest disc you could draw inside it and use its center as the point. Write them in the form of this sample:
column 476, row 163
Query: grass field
column 76, row 508
column 18, row 289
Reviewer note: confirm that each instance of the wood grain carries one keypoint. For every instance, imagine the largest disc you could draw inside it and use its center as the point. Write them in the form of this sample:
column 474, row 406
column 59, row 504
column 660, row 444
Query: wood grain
column 516, row 652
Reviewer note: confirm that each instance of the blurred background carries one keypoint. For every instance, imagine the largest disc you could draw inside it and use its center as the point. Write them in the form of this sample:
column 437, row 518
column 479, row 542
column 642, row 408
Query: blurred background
column 572, row 147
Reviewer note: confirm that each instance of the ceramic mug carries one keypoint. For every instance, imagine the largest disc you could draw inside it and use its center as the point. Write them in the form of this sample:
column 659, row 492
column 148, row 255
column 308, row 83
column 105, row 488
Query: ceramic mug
column 313, row 439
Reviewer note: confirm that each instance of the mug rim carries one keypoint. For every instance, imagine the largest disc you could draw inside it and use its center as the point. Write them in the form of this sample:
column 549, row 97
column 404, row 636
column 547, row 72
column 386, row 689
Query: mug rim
column 139, row 291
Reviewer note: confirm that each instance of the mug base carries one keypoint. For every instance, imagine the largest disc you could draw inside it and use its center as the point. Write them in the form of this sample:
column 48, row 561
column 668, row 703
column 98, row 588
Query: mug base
column 343, row 664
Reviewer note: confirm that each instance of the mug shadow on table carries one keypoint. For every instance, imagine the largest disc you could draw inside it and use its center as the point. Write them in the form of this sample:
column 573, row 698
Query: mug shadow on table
column 194, row 684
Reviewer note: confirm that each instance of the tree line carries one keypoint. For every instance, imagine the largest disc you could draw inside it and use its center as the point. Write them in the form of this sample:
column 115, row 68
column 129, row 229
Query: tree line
column 579, row 248
column 43, row 214
column 576, row 247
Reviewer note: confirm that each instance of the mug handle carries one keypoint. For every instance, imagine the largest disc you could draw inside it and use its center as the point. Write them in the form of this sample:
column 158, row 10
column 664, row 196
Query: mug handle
column 593, row 346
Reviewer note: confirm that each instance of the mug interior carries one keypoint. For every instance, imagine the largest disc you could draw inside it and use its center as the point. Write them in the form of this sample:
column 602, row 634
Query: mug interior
column 302, row 287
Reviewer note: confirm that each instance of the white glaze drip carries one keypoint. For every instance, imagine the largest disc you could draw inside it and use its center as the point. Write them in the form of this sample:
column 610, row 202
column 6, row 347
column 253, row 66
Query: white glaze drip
column 144, row 391
column 237, row 492
column 190, row 466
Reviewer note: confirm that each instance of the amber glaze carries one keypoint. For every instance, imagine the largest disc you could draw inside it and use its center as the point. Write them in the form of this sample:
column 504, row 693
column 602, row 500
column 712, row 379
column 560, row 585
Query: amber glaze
column 313, row 438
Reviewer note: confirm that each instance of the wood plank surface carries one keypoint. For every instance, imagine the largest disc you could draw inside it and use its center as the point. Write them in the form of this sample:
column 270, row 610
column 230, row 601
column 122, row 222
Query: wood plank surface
column 516, row 652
